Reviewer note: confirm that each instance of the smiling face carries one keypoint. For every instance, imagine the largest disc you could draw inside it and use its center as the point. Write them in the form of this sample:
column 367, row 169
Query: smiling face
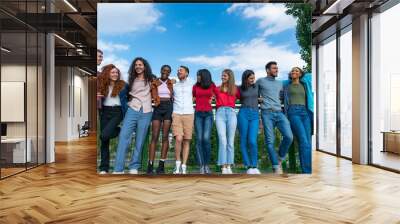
column 165, row 72
column 295, row 73
column 182, row 74
column 251, row 79
column 139, row 67
column 224, row 78
column 114, row 74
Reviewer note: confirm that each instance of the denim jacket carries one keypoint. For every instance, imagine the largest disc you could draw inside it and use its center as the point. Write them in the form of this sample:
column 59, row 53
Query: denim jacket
column 306, row 81
column 123, row 97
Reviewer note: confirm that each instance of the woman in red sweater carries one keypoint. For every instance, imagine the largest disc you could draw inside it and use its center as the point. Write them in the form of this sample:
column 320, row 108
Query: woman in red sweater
column 226, row 120
column 203, row 92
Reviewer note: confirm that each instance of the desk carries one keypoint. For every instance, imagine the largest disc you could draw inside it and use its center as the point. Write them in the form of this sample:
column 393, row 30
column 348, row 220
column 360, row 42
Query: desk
column 391, row 141
column 16, row 147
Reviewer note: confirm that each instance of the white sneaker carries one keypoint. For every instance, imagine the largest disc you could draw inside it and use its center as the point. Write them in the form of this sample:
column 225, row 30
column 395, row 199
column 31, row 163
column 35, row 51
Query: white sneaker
column 230, row 170
column 177, row 170
column 225, row 171
column 133, row 171
column 177, row 167
column 250, row 171
column 183, row 167
column 103, row 172
column 256, row 171
column 278, row 170
column 115, row 172
column 207, row 169
column 202, row 170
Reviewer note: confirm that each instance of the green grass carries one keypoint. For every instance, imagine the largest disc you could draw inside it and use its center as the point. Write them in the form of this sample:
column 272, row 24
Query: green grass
column 263, row 161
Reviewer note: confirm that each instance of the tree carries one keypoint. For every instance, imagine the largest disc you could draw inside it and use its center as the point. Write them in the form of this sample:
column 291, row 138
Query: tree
column 302, row 12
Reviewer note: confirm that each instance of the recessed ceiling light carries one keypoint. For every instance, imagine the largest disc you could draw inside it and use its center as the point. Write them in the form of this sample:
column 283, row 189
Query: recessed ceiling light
column 64, row 40
column 5, row 50
column 86, row 72
column 70, row 5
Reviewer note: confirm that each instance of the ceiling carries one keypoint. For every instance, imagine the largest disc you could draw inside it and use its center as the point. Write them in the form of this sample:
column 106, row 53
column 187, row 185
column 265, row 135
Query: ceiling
column 75, row 21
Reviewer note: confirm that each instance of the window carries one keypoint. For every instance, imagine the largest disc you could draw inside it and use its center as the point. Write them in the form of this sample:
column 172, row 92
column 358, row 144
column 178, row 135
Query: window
column 385, row 88
column 327, row 95
column 346, row 92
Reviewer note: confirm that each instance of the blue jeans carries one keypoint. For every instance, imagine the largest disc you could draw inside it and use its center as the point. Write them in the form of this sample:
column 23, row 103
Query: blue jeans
column 301, row 126
column 203, row 122
column 134, row 121
column 248, row 128
column 272, row 119
column 226, row 120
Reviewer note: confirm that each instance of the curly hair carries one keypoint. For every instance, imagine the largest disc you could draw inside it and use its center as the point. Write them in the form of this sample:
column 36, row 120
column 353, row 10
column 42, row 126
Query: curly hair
column 148, row 75
column 300, row 70
column 104, row 81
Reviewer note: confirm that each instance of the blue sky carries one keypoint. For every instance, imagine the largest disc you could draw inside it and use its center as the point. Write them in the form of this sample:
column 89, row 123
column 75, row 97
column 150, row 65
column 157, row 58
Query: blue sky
column 213, row 36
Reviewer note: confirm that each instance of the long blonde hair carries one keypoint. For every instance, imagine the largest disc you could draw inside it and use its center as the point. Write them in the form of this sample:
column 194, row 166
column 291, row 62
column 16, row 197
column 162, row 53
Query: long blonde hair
column 231, row 86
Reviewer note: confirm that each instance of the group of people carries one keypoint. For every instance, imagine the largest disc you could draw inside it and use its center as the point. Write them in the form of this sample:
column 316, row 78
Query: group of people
column 167, row 103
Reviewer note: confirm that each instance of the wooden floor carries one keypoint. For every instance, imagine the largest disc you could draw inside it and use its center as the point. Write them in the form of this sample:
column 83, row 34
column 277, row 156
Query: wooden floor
column 70, row 191
column 386, row 159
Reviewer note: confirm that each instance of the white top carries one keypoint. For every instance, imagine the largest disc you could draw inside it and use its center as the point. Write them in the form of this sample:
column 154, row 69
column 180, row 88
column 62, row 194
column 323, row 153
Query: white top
column 163, row 90
column 110, row 101
column 183, row 103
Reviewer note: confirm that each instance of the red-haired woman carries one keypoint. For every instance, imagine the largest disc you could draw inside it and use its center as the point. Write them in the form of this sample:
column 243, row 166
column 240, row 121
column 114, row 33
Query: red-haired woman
column 114, row 106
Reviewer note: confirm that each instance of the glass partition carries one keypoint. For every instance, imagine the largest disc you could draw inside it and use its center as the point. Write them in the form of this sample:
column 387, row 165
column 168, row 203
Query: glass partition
column 327, row 95
column 385, row 89
column 346, row 92
column 13, row 103
column 22, row 90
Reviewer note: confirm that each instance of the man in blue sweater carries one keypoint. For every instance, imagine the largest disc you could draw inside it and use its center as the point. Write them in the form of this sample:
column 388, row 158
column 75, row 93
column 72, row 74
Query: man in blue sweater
column 272, row 116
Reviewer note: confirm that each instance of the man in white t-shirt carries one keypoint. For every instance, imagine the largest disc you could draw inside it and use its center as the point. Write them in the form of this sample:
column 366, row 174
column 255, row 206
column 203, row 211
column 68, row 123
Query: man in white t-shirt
column 182, row 118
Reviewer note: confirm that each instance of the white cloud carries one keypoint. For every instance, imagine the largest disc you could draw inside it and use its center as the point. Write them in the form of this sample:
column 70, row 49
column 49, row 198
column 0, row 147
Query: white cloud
column 121, row 18
column 110, row 46
column 216, row 61
column 250, row 55
column 272, row 18
column 161, row 29
column 236, row 6
column 121, row 63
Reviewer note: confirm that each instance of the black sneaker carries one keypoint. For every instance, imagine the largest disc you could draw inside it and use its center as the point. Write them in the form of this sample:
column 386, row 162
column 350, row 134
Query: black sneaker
column 160, row 168
column 150, row 168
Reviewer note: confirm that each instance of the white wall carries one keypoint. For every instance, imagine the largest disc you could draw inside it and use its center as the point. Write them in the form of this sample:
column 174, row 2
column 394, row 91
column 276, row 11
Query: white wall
column 16, row 73
column 71, row 102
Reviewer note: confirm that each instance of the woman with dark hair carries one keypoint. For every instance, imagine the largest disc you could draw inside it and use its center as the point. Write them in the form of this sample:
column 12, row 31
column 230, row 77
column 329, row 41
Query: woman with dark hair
column 114, row 106
column 203, row 92
column 161, row 92
column 299, row 108
column 225, row 119
column 138, row 116
column 248, row 121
